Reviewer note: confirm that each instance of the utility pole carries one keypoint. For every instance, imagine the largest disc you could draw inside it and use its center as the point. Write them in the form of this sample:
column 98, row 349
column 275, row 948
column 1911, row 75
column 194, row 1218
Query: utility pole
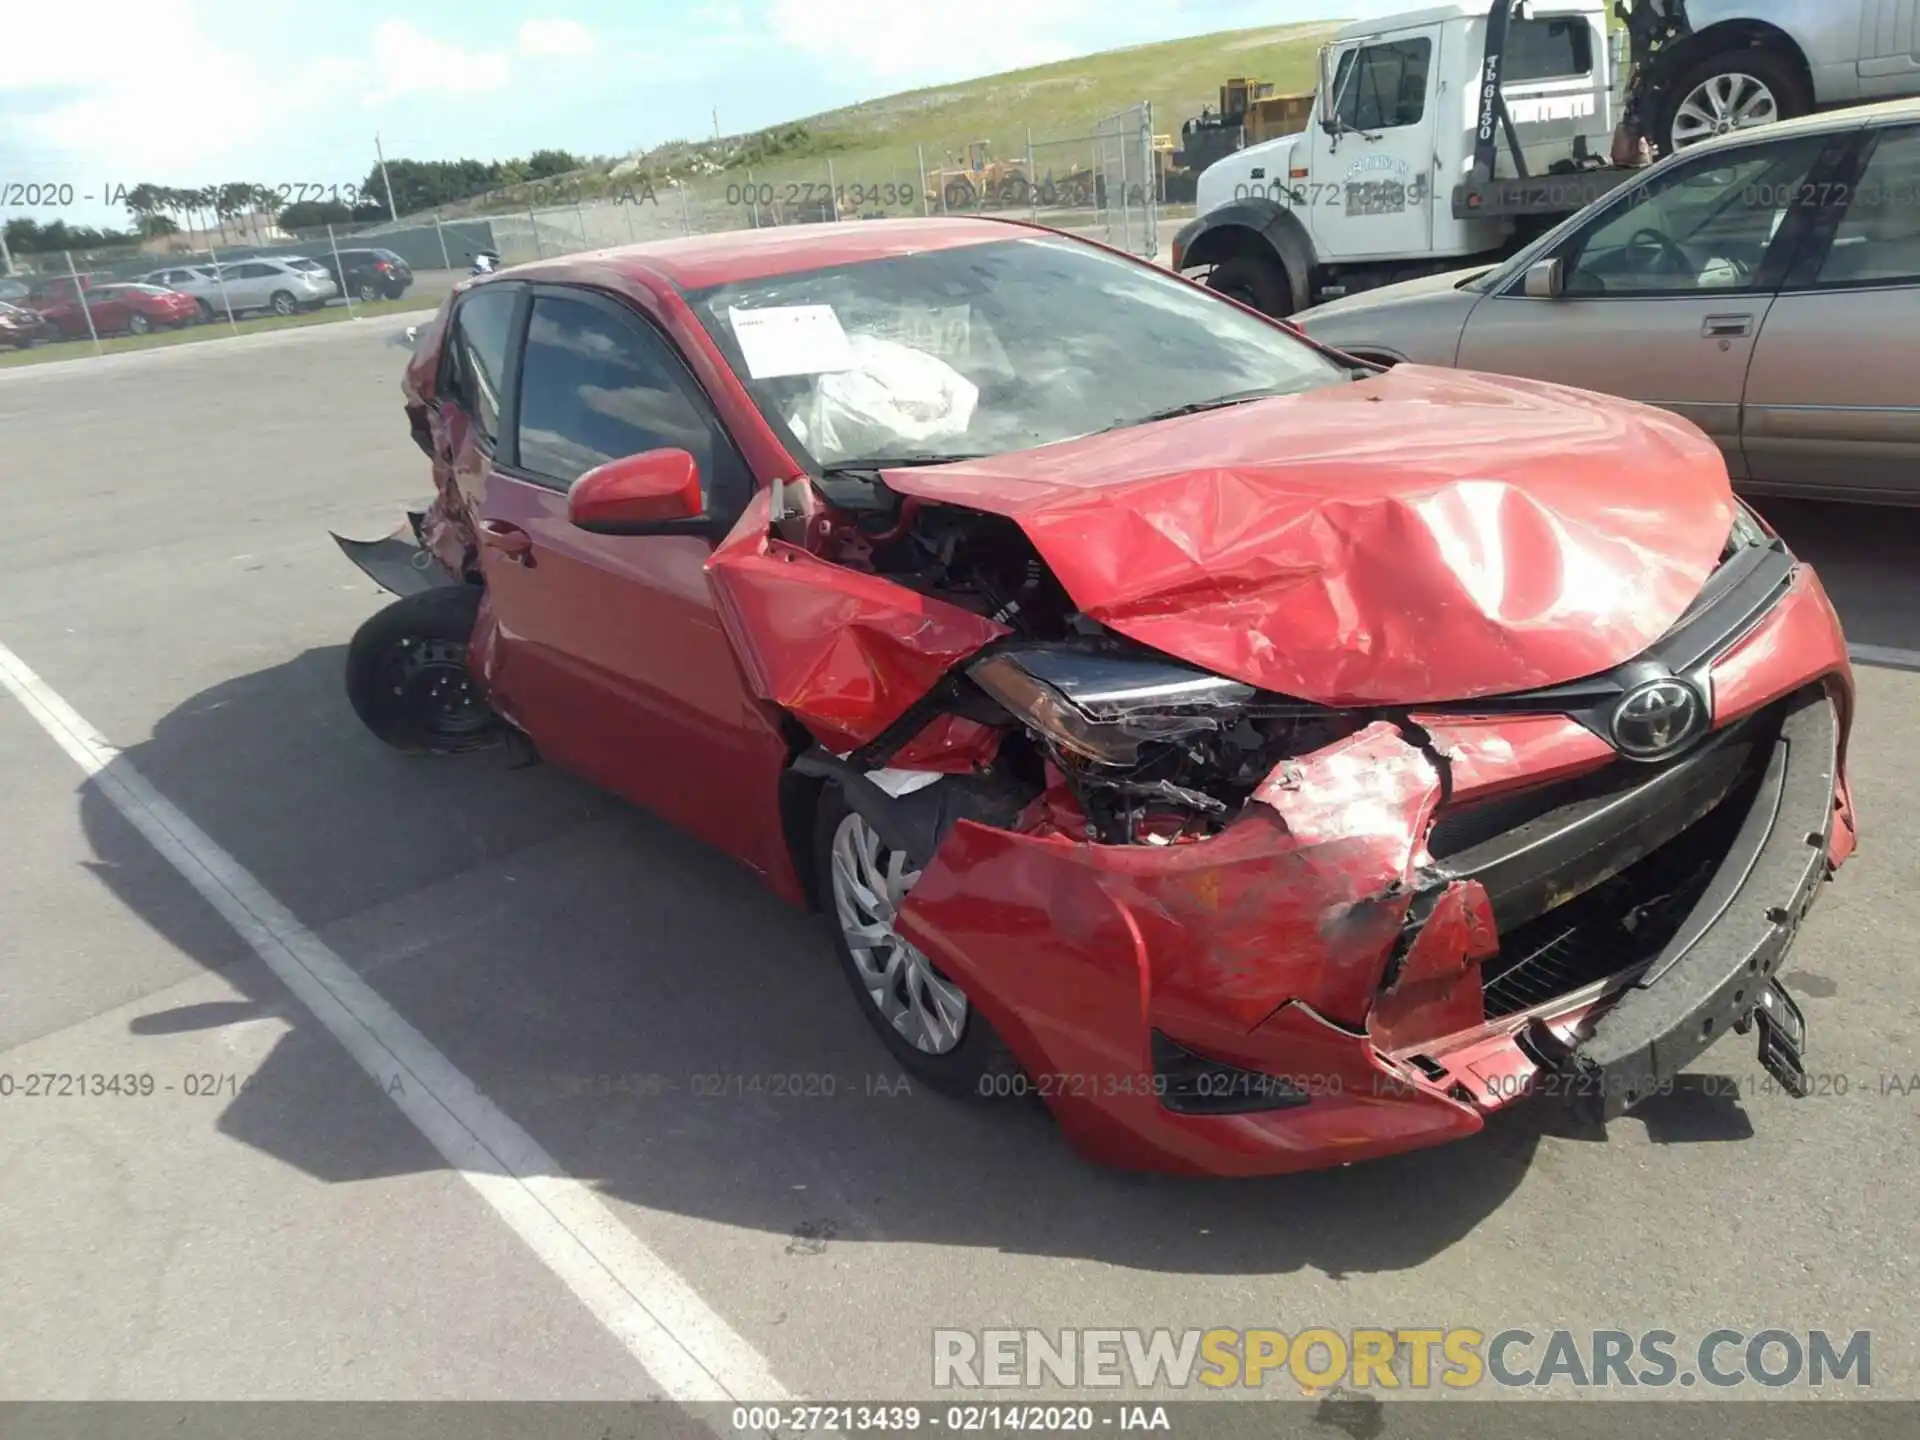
column 716, row 122
column 385, row 178
column 6, row 255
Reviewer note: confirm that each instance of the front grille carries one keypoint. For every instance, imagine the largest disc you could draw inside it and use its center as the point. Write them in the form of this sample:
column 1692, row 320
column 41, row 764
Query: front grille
column 1568, row 922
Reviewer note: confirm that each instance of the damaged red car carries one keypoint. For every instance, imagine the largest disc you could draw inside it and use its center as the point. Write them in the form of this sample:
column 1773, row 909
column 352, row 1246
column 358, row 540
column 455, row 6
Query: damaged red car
column 1269, row 761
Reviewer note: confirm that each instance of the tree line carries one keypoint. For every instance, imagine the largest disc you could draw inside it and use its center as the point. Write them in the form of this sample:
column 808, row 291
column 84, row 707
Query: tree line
column 239, row 209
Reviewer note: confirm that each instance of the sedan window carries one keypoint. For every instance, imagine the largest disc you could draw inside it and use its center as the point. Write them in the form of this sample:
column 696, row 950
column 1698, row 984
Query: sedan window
column 595, row 386
column 1878, row 239
column 1704, row 226
column 992, row 347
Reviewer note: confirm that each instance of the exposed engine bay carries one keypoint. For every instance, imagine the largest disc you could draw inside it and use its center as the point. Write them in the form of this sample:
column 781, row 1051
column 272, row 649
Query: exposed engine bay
column 1150, row 750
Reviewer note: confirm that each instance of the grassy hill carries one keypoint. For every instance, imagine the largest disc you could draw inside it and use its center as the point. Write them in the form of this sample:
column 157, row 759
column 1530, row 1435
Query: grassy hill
column 878, row 142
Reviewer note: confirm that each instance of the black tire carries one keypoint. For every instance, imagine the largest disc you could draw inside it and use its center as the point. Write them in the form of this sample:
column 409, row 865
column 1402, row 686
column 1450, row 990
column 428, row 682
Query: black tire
column 1791, row 95
column 283, row 303
column 407, row 678
column 960, row 196
column 367, row 293
column 1254, row 280
column 970, row 1069
column 206, row 312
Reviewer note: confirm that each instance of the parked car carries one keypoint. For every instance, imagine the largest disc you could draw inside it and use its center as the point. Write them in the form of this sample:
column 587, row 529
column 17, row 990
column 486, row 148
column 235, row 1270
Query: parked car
column 283, row 285
column 1729, row 64
column 12, row 291
column 200, row 281
column 130, row 307
column 20, row 327
column 368, row 274
column 1271, row 761
column 1766, row 286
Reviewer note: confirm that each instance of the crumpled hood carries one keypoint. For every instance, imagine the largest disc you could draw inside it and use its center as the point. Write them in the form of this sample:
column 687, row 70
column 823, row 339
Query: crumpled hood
column 1421, row 536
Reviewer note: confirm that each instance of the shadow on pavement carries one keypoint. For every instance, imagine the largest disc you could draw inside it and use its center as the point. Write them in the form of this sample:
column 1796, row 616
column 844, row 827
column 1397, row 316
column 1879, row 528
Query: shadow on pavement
column 669, row 1031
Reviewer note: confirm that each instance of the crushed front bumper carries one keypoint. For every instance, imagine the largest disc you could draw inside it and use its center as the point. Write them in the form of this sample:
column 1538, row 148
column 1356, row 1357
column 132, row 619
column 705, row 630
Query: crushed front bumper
column 1305, row 988
column 1721, row 969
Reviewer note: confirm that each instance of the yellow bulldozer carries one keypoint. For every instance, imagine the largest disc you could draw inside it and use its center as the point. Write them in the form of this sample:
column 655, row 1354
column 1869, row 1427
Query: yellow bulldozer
column 979, row 182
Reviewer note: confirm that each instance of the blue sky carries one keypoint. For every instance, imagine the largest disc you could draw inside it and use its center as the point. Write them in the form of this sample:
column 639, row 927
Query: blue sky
column 187, row 92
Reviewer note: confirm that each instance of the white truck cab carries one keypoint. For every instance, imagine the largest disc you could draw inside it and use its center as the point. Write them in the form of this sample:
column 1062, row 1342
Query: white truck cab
column 1364, row 195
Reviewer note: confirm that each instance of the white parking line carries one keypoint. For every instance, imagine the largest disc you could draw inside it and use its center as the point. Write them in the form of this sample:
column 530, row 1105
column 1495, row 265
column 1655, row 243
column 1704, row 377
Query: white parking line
column 689, row 1352
column 1885, row 655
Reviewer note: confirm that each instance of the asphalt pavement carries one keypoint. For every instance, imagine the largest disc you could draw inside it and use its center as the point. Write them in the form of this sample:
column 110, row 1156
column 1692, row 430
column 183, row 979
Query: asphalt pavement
column 327, row 968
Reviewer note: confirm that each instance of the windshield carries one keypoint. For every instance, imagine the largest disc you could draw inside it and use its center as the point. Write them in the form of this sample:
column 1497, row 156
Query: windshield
column 987, row 348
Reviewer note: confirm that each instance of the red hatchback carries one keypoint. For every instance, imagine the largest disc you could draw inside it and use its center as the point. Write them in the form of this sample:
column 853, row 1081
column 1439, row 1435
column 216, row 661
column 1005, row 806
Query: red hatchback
column 135, row 309
column 1269, row 761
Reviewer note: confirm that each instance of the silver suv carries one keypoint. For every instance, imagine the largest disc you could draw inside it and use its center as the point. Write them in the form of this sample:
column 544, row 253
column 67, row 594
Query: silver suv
column 1736, row 63
column 283, row 285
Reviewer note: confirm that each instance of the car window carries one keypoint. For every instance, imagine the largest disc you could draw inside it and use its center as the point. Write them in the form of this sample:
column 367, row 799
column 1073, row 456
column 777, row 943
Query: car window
column 1547, row 50
column 1383, row 87
column 1878, row 239
column 478, row 356
column 250, row 271
column 596, row 385
column 986, row 348
column 304, row 264
column 1700, row 227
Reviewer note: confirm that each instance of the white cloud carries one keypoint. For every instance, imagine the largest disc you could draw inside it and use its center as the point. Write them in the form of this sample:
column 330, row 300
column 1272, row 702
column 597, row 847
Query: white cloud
column 927, row 43
column 408, row 61
column 555, row 37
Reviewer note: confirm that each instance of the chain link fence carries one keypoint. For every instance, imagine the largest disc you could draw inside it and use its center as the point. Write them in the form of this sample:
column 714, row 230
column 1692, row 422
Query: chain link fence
column 1106, row 181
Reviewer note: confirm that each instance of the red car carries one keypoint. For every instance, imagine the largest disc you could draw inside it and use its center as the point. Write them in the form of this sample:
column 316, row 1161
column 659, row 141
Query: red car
column 135, row 309
column 1269, row 761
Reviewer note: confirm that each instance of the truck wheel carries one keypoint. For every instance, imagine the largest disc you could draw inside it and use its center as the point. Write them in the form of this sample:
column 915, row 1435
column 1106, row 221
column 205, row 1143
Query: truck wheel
column 1734, row 90
column 407, row 674
column 1254, row 280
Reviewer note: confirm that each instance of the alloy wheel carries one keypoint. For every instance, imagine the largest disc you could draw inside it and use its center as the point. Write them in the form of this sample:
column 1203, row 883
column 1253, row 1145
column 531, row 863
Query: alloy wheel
column 1722, row 104
column 870, row 882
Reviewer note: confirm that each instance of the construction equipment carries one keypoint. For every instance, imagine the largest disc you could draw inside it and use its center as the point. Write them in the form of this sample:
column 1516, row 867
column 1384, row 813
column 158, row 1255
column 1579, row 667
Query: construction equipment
column 1249, row 113
column 981, row 182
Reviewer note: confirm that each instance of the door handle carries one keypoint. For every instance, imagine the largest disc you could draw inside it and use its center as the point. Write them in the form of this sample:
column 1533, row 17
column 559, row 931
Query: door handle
column 1727, row 327
column 509, row 541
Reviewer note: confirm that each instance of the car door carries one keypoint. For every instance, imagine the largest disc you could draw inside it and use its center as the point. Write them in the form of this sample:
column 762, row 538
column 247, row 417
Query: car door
column 1370, row 187
column 1666, row 287
column 110, row 309
column 609, row 651
column 1833, row 401
column 250, row 284
column 1889, row 48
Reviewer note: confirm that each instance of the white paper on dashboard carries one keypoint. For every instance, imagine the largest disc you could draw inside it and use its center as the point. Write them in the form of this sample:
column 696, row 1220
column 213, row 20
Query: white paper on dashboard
column 791, row 340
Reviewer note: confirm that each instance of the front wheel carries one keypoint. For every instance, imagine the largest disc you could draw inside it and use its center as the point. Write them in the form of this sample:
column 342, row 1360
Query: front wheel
column 1254, row 280
column 921, row 1016
column 407, row 675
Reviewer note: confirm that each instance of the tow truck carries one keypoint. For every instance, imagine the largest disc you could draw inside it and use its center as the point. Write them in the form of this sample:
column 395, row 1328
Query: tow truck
column 1455, row 134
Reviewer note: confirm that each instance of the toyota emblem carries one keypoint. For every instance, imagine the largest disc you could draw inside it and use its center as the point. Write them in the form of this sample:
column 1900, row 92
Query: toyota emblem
column 1657, row 718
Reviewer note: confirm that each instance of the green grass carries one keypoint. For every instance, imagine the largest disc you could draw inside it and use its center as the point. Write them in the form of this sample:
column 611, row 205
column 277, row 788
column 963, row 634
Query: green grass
column 879, row 142
column 218, row 330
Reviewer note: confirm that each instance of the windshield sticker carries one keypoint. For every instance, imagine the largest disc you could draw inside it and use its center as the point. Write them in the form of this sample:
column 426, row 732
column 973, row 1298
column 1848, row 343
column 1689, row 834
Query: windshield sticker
column 785, row 340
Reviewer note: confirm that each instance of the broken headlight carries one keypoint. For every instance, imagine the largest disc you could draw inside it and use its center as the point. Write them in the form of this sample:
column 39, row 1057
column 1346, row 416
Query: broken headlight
column 1103, row 708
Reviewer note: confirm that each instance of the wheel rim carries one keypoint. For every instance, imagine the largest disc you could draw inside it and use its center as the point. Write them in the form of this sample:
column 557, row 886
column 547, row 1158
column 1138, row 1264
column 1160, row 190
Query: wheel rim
column 283, row 305
column 367, row 292
column 428, row 684
column 137, row 324
column 869, row 883
column 1721, row 105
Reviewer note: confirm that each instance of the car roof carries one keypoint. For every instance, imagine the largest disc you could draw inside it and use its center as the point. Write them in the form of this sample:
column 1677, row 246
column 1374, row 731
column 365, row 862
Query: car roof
column 695, row 262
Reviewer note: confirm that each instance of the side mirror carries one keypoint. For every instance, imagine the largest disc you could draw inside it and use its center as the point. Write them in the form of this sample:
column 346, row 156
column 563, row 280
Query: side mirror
column 1546, row 280
column 1328, row 105
column 654, row 493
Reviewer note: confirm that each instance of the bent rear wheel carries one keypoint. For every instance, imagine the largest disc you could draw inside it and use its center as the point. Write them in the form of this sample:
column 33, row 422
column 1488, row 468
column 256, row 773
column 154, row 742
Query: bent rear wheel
column 407, row 675
column 921, row 1016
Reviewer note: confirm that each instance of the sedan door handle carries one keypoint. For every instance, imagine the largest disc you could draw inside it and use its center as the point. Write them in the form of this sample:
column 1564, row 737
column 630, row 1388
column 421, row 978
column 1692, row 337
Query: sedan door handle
column 1727, row 327
column 507, row 540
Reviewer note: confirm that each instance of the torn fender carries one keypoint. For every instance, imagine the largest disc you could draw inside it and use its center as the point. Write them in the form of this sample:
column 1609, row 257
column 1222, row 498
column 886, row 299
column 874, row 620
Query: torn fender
column 844, row 652
column 1420, row 536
